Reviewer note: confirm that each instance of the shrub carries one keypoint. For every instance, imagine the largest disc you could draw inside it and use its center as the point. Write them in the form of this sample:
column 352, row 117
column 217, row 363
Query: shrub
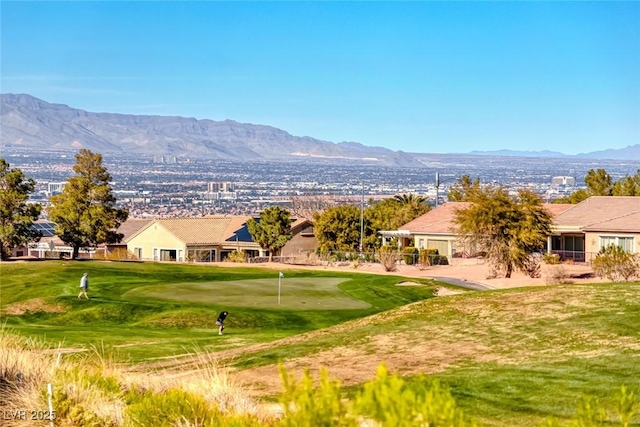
column 532, row 267
column 117, row 254
column 389, row 257
column 168, row 408
column 551, row 258
column 386, row 400
column 616, row 264
column 237, row 256
column 557, row 275
column 429, row 256
column 410, row 255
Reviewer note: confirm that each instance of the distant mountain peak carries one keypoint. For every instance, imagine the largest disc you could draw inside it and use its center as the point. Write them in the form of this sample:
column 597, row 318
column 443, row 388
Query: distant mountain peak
column 29, row 122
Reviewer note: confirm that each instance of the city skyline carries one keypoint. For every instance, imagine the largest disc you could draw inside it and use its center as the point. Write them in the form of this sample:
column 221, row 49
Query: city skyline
column 436, row 77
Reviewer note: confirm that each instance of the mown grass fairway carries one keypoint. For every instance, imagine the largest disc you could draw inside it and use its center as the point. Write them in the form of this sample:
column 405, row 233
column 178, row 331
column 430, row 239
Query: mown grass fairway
column 297, row 293
column 512, row 357
column 150, row 310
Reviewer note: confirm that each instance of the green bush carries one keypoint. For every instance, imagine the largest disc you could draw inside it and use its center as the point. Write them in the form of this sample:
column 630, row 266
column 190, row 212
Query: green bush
column 616, row 264
column 385, row 401
column 237, row 256
column 169, row 408
column 430, row 256
column 551, row 258
column 410, row 255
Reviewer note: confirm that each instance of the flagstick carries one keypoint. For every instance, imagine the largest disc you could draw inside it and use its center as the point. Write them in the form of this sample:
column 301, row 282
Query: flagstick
column 279, row 280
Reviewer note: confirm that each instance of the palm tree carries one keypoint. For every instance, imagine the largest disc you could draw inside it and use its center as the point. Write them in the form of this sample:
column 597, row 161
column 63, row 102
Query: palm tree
column 410, row 199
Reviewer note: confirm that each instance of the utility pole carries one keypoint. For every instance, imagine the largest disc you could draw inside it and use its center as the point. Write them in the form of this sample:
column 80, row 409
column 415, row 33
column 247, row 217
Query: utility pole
column 437, row 187
column 362, row 219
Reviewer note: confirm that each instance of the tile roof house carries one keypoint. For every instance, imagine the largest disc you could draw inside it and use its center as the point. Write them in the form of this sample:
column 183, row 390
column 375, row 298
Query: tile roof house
column 436, row 230
column 581, row 231
column 207, row 239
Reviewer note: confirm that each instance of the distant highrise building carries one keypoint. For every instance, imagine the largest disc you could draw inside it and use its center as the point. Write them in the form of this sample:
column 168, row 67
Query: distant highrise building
column 55, row 187
column 221, row 187
column 563, row 180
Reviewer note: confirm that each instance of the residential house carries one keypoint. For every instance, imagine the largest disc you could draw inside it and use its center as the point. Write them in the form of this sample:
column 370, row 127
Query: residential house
column 208, row 239
column 581, row 231
column 128, row 229
column 436, row 230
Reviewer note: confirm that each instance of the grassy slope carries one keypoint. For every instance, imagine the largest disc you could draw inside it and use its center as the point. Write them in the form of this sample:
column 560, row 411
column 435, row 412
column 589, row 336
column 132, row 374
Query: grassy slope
column 510, row 357
column 143, row 328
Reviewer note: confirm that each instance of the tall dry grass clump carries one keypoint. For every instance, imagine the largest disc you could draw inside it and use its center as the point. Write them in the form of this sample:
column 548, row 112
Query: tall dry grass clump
column 24, row 369
column 93, row 389
column 204, row 377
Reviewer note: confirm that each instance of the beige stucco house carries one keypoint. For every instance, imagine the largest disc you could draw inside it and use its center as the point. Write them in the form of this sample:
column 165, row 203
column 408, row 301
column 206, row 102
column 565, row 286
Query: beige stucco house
column 208, row 239
column 433, row 230
column 436, row 230
column 581, row 231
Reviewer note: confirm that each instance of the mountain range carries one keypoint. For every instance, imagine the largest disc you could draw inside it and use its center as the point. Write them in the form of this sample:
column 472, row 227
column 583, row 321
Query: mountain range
column 30, row 123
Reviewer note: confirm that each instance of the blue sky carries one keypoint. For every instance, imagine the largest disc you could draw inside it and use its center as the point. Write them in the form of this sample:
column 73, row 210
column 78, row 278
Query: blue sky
column 417, row 76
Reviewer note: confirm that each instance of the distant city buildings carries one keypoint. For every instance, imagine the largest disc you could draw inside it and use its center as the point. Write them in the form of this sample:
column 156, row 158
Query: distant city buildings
column 55, row 187
column 150, row 188
column 168, row 160
column 221, row 191
column 563, row 180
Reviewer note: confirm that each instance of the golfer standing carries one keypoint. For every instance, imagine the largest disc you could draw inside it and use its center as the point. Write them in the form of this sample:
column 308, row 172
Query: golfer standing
column 84, row 286
column 220, row 321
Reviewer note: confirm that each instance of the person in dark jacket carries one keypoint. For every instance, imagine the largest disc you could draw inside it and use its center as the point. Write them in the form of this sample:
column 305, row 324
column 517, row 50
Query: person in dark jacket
column 220, row 321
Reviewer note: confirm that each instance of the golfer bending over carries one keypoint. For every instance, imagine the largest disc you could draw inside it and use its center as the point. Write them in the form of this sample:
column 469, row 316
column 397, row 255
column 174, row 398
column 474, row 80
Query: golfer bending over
column 220, row 321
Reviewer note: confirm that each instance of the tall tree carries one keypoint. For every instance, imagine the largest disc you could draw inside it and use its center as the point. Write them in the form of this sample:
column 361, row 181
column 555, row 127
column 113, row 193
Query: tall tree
column 306, row 206
column 410, row 199
column 338, row 229
column 272, row 231
column 574, row 198
column 599, row 183
column 463, row 189
column 391, row 214
column 508, row 229
column 627, row 186
column 85, row 212
column 16, row 215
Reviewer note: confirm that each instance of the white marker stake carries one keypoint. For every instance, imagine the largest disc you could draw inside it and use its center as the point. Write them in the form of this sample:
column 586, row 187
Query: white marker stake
column 280, row 276
column 50, row 393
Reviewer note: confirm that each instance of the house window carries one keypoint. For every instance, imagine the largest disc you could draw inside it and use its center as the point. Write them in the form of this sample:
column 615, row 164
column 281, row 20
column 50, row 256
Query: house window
column 625, row 243
column 168, row 255
column 574, row 243
column 137, row 252
column 421, row 243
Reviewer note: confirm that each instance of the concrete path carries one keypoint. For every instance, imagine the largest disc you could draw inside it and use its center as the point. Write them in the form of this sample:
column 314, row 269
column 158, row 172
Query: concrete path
column 462, row 283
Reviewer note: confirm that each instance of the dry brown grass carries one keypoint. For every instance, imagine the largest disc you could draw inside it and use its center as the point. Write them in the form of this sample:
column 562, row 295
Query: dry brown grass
column 93, row 384
column 33, row 305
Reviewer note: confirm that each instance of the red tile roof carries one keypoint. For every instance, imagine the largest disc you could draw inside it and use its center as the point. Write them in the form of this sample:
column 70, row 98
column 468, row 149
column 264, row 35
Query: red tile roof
column 602, row 213
column 440, row 219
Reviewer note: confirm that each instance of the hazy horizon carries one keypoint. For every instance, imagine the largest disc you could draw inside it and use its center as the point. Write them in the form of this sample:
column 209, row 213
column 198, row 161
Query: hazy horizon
column 426, row 77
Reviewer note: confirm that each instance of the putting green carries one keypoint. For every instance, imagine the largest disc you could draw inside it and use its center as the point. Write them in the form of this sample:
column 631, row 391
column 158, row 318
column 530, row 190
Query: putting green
column 296, row 293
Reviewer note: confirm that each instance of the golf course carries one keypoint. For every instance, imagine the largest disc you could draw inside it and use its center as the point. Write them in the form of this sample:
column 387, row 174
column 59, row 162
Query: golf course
column 524, row 356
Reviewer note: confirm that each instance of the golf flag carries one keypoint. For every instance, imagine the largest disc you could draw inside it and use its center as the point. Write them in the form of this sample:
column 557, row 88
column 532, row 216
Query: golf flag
column 280, row 276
